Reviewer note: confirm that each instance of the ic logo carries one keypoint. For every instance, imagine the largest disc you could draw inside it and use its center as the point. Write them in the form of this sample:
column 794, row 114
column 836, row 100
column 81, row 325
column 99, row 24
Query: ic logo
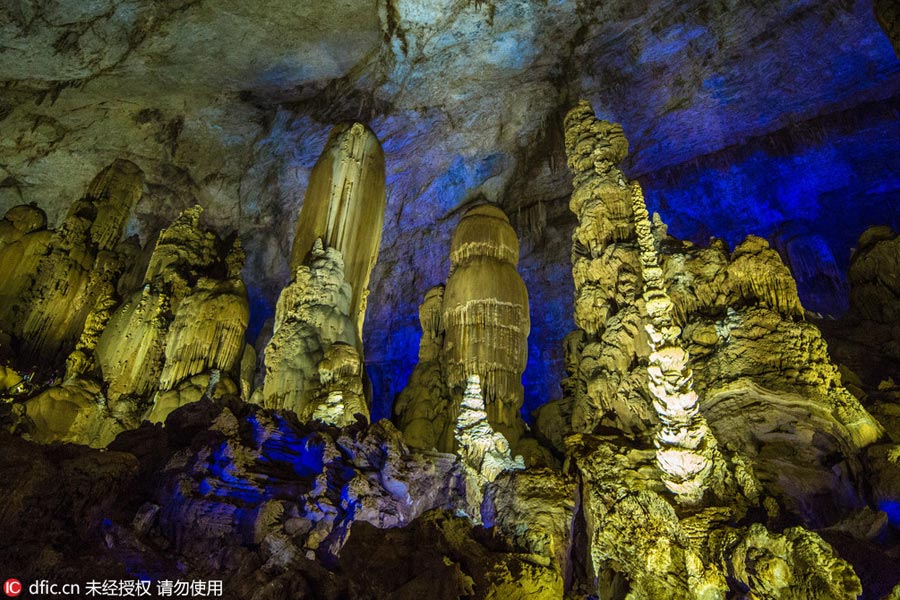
column 12, row 587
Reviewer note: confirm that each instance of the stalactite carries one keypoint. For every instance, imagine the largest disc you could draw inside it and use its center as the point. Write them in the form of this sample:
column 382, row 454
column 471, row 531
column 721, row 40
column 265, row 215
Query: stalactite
column 344, row 207
column 685, row 445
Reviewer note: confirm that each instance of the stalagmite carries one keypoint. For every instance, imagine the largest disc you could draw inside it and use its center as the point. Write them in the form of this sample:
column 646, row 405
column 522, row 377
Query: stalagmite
column 485, row 315
column 312, row 315
column 344, row 207
column 485, row 452
column 424, row 411
column 189, row 318
column 477, row 325
column 685, row 445
column 341, row 396
column 67, row 282
column 24, row 239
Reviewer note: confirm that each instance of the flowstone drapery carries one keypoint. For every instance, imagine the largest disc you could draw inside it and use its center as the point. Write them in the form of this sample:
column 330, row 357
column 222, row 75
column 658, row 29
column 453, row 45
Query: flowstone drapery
column 79, row 268
column 344, row 207
column 477, row 325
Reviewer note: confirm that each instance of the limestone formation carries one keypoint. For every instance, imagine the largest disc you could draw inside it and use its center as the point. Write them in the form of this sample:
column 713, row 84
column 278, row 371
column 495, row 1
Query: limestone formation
column 424, row 408
column 485, row 315
column 686, row 448
column 344, row 208
column 78, row 267
column 484, row 452
column 24, row 239
column 303, row 371
column 189, row 317
column 674, row 556
column 875, row 290
column 757, row 366
column 341, row 398
column 477, row 325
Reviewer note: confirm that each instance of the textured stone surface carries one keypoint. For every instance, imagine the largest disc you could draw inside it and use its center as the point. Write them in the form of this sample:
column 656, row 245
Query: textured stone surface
column 476, row 325
column 467, row 99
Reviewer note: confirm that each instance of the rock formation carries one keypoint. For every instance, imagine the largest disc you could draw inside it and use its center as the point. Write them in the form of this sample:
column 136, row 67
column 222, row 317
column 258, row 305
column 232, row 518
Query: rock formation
column 477, row 325
column 757, row 366
column 189, row 317
column 344, row 208
column 77, row 270
column 303, row 371
column 24, row 239
column 174, row 340
column 423, row 408
column 686, row 448
column 484, row 452
column 314, row 358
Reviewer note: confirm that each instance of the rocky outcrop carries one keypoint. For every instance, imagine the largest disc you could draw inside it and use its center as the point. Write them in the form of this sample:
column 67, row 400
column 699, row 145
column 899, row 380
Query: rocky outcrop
column 477, row 325
column 700, row 555
column 256, row 477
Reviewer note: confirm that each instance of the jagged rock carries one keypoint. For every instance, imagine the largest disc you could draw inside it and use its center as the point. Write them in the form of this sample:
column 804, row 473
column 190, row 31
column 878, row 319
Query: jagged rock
column 442, row 557
column 485, row 453
column 257, row 474
column 698, row 556
column 535, row 509
column 312, row 314
column 344, row 208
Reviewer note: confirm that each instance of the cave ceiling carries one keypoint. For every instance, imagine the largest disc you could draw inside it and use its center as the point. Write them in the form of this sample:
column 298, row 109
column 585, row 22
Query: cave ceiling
column 769, row 117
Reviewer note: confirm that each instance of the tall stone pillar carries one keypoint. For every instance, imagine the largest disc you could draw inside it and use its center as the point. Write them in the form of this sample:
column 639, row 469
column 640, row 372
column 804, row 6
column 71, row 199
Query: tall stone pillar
column 344, row 207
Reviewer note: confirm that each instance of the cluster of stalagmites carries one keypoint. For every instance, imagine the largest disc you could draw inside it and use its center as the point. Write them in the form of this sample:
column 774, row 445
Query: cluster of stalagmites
column 98, row 335
column 97, row 354
column 706, row 435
